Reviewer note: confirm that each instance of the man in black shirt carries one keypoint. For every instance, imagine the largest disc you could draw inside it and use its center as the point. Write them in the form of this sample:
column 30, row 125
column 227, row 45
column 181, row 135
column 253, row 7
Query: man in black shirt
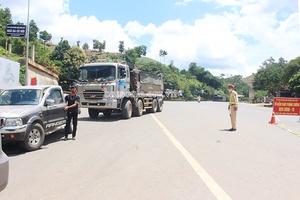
column 72, row 108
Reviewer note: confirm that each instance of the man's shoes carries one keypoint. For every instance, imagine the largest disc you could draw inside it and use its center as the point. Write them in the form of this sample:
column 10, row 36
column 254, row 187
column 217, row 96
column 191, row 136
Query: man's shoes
column 232, row 129
column 73, row 138
column 65, row 139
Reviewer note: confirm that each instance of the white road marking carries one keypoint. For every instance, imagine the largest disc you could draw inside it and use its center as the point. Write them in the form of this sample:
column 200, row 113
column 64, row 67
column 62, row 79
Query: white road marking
column 213, row 186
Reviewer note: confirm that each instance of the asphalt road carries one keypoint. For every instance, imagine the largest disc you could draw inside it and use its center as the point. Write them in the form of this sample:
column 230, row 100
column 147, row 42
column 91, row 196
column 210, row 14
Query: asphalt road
column 182, row 153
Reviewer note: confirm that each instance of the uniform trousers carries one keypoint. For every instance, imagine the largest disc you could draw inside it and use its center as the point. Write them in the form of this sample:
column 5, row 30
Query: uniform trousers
column 233, row 116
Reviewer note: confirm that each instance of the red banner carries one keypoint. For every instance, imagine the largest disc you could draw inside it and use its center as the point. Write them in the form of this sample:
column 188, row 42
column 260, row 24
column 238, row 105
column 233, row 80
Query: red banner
column 286, row 106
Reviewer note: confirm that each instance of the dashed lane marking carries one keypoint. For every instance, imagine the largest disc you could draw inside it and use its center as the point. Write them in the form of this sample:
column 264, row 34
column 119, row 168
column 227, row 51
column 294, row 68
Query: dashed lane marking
column 213, row 186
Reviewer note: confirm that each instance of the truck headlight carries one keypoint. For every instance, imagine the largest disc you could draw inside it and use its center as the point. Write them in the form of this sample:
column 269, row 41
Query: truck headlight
column 13, row 122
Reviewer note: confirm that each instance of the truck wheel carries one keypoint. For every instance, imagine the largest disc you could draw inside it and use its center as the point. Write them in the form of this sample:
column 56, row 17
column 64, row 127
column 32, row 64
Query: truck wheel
column 93, row 113
column 160, row 105
column 127, row 109
column 34, row 137
column 154, row 106
column 139, row 108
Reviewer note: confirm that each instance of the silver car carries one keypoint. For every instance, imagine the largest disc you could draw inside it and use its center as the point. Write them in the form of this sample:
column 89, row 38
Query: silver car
column 4, row 170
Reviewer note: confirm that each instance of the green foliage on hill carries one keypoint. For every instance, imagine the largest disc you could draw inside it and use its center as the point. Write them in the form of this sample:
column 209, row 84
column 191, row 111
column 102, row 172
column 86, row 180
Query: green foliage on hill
column 273, row 76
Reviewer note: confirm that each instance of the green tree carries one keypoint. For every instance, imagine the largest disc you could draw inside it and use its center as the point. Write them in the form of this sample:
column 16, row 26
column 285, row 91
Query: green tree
column 96, row 44
column 18, row 46
column 102, row 46
column 45, row 36
column 141, row 50
column 22, row 75
column 5, row 18
column 163, row 53
column 59, row 51
column 93, row 58
column 270, row 75
column 260, row 94
column 73, row 59
column 42, row 54
column 295, row 83
column 33, row 31
column 239, row 85
column 153, row 67
column 131, row 55
column 204, row 76
column 121, row 47
column 85, row 46
column 290, row 72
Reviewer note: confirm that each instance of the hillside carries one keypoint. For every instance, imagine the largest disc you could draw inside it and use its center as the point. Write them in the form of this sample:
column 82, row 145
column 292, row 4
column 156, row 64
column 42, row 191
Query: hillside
column 145, row 60
column 107, row 55
column 249, row 80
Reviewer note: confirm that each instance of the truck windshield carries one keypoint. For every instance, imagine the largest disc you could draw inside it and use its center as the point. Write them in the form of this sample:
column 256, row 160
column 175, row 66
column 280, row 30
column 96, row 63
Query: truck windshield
column 20, row 97
column 101, row 73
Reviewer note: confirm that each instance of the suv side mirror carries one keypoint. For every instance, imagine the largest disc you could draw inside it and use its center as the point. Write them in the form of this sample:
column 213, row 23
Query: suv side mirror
column 49, row 102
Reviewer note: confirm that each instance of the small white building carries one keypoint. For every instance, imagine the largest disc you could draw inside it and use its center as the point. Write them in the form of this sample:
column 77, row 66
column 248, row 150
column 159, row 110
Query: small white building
column 39, row 75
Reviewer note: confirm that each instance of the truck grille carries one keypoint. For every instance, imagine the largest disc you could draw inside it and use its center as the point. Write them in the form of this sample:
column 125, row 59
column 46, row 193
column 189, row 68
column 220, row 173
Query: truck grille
column 93, row 94
column 1, row 122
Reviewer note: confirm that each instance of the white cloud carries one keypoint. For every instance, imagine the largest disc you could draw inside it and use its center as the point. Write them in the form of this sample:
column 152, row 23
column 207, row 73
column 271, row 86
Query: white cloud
column 135, row 29
column 41, row 11
column 184, row 2
column 237, row 41
column 55, row 19
column 86, row 29
column 201, row 43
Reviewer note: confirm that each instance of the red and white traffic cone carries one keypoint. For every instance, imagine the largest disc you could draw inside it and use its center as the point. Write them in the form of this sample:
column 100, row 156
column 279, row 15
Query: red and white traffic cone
column 272, row 121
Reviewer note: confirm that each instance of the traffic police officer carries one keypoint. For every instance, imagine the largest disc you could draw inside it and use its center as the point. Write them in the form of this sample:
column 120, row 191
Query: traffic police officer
column 233, row 106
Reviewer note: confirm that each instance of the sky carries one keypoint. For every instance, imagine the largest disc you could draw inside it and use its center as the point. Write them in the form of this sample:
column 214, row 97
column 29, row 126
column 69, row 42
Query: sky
column 230, row 37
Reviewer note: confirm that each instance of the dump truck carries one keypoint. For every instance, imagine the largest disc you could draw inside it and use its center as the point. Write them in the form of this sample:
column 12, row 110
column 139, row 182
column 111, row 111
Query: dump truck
column 117, row 87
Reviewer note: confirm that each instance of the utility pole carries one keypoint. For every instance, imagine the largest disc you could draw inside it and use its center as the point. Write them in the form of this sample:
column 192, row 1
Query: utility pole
column 27, row 46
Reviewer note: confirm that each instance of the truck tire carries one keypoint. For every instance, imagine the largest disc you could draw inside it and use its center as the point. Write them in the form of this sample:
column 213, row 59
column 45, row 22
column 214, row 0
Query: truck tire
column 139, row 108
column 154, row 106
column 127, row 109
column 160, row 105
column 34, row 137
column 93, row 113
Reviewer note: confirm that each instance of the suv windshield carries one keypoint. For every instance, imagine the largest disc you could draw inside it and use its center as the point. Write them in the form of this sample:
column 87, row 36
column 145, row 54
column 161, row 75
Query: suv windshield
column 97, row 73
column 20, row 97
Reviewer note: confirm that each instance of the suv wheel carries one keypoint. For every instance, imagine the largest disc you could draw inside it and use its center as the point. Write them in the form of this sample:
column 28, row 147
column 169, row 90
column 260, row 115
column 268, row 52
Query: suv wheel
column 34, row 138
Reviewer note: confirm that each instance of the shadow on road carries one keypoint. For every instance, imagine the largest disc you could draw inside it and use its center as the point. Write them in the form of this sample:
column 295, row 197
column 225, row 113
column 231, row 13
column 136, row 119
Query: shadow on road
column 54, row 137
column 226, row 130
column 102, row 118
column 113, row 118
column 13, row 149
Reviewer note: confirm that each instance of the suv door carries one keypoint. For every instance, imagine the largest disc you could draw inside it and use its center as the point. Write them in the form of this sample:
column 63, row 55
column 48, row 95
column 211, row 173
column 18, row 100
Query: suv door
column 54, row 114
